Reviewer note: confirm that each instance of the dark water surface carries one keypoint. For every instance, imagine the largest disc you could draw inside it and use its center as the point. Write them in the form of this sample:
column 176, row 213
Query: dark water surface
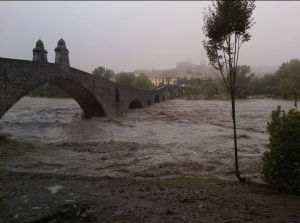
column 190, row 137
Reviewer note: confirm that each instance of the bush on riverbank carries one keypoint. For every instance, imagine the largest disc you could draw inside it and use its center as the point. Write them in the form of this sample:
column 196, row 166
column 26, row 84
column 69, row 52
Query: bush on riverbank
column 281, row 164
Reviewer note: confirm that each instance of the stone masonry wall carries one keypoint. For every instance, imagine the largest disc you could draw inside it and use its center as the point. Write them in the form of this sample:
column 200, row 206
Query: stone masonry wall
column 97, row 97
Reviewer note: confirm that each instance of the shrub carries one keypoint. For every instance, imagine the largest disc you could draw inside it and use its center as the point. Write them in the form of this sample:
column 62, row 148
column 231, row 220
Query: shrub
column 281, row 164
column 193, row 89
column 210, row 88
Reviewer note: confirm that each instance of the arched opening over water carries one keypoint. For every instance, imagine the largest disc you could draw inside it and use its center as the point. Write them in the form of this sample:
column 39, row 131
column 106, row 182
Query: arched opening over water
column 135, row 105
column 156, row 99
column 149, row 102
column 60, row 88
column 169, row 94
column 89, row 104
column 163, row 98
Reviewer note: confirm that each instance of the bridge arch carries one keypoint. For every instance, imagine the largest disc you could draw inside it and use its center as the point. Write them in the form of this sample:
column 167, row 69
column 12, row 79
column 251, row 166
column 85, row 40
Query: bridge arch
column 156, row 99
column 22, row 77
column 86, row 100
column 88, row 103
column 163, row 98
column 149, row 102
column 135, row 104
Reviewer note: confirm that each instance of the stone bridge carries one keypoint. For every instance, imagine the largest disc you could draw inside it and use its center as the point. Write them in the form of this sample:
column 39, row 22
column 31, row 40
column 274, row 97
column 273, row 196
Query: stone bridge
column 96, row 96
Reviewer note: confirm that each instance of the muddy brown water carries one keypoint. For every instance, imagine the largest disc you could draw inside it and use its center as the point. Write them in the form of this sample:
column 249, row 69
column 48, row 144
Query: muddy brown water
column 173, row 138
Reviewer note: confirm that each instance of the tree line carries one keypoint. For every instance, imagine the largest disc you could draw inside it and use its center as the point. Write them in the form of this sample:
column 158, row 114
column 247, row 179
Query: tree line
column 128, row 79
column 140, row 82
column 285, row 83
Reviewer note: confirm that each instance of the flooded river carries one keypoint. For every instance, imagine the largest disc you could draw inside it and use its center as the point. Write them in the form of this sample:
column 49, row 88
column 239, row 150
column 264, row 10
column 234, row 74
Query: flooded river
column 176, row 137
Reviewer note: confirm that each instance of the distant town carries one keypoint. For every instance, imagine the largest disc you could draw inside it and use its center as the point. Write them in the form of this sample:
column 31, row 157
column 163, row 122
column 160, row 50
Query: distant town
column 186, row 71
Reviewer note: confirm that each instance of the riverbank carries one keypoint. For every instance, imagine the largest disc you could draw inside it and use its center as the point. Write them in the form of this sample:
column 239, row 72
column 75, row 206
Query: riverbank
column 59, row 198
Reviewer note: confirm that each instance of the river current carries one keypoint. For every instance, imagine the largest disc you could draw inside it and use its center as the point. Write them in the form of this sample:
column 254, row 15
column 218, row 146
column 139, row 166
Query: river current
column 176, row 137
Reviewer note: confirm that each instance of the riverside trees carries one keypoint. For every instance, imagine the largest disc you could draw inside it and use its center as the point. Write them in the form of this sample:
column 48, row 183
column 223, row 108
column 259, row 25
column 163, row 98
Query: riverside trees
column 103, row 72
column 226, row 26
column 140, row 82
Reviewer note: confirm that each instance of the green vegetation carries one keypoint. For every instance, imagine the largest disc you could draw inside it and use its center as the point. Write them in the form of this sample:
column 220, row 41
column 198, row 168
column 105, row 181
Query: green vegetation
column 194, row 88
column 281, row 164
column 289, row 78
column 50, row 91
column 103, row 73
column 210, row 88
column 226, row 26
column 125, row 78
column 140, row 82
column 244, row 82
column 265, row 85
column 285, row 82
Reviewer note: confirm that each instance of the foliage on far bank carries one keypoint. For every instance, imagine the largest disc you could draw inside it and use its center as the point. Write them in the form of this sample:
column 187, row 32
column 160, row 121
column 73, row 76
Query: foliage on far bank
column 244, row 82
column 284, row 82
column 194, row 88
column 210, row 88
column 125, row 78
column 103, row 72
column 281, row 163
column 244, row 85
column 140, row 82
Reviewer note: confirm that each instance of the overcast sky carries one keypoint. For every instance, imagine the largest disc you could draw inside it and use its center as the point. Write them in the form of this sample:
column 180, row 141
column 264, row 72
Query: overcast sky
column 125, row 36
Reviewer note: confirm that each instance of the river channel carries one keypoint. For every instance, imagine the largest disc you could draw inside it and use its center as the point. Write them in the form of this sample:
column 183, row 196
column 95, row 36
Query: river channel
column 172, row 138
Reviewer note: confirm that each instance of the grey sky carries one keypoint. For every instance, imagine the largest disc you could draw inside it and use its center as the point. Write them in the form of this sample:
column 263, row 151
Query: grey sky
column 125, row 36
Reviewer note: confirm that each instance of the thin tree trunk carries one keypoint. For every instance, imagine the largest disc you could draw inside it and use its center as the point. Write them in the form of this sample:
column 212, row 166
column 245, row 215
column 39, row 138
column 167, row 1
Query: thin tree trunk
column 237, row 173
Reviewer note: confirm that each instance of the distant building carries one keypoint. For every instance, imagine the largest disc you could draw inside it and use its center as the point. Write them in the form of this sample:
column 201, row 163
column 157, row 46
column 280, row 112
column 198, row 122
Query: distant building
column 164, row 81
column 188, row 70
column 184, row 73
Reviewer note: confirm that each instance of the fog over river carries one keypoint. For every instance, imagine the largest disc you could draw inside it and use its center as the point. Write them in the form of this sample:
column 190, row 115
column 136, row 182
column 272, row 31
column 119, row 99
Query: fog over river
column 176, row 137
